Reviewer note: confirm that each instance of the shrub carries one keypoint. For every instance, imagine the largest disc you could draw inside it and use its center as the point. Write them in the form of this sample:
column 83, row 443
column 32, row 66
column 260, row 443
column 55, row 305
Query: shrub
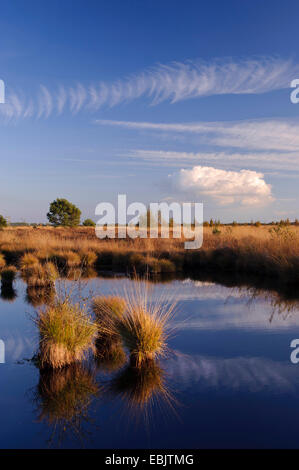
column 216, row 231
column 89, row 223
column 3, row 222
column 67, row 333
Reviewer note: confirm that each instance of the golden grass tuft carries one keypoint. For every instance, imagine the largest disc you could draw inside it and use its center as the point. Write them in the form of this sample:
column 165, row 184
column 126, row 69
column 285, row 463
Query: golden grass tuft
column 108, row 311
column 72, row 259
column 88, row 258
column 67, row 333
column 28, row 260
column 109, row 306
column 40, row 275
column 145, row 326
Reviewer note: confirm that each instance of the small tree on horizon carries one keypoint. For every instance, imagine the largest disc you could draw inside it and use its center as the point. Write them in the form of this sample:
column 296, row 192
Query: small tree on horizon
column 89, row 223
column 3, row 222
column 62, row 212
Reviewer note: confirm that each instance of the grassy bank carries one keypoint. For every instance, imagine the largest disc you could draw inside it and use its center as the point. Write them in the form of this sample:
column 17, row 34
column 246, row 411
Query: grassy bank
column 269, row 250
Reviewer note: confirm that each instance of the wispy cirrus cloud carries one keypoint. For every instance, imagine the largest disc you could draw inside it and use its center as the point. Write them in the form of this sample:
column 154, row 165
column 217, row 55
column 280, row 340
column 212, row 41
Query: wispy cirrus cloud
column 173, row 82
column 267, row 161
column 277, row 135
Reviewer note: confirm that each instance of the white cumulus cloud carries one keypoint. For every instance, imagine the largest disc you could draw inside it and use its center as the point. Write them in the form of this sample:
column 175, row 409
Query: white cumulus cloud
column 244, row 187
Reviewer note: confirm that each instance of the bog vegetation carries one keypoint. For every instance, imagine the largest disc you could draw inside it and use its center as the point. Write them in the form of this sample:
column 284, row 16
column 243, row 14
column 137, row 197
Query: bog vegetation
column 268, row 250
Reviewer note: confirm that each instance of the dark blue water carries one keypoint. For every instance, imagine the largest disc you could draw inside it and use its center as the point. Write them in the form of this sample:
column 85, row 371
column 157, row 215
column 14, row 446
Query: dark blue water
column 227, row 383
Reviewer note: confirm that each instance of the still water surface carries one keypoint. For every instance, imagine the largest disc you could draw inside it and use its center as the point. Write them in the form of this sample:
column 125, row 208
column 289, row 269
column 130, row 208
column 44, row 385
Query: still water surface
column 227, row 383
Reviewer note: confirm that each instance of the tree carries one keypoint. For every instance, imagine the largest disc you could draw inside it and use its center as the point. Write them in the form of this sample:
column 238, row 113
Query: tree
column 62, row 212
column 3, row 222
column 89, row 223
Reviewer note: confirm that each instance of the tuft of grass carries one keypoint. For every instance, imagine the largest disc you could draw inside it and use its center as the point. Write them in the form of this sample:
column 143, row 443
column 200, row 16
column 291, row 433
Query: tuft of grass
column 109, row 306
column 40, row 275
column 88, row 258
column 108, row 311
column 66, row 259
column 50, row 273
column 28, row 260
column 67, row 333
column 72, row 259
column 144, row 328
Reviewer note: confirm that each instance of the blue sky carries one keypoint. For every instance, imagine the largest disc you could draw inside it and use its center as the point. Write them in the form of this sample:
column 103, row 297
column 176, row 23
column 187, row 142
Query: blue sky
column 169, row 100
